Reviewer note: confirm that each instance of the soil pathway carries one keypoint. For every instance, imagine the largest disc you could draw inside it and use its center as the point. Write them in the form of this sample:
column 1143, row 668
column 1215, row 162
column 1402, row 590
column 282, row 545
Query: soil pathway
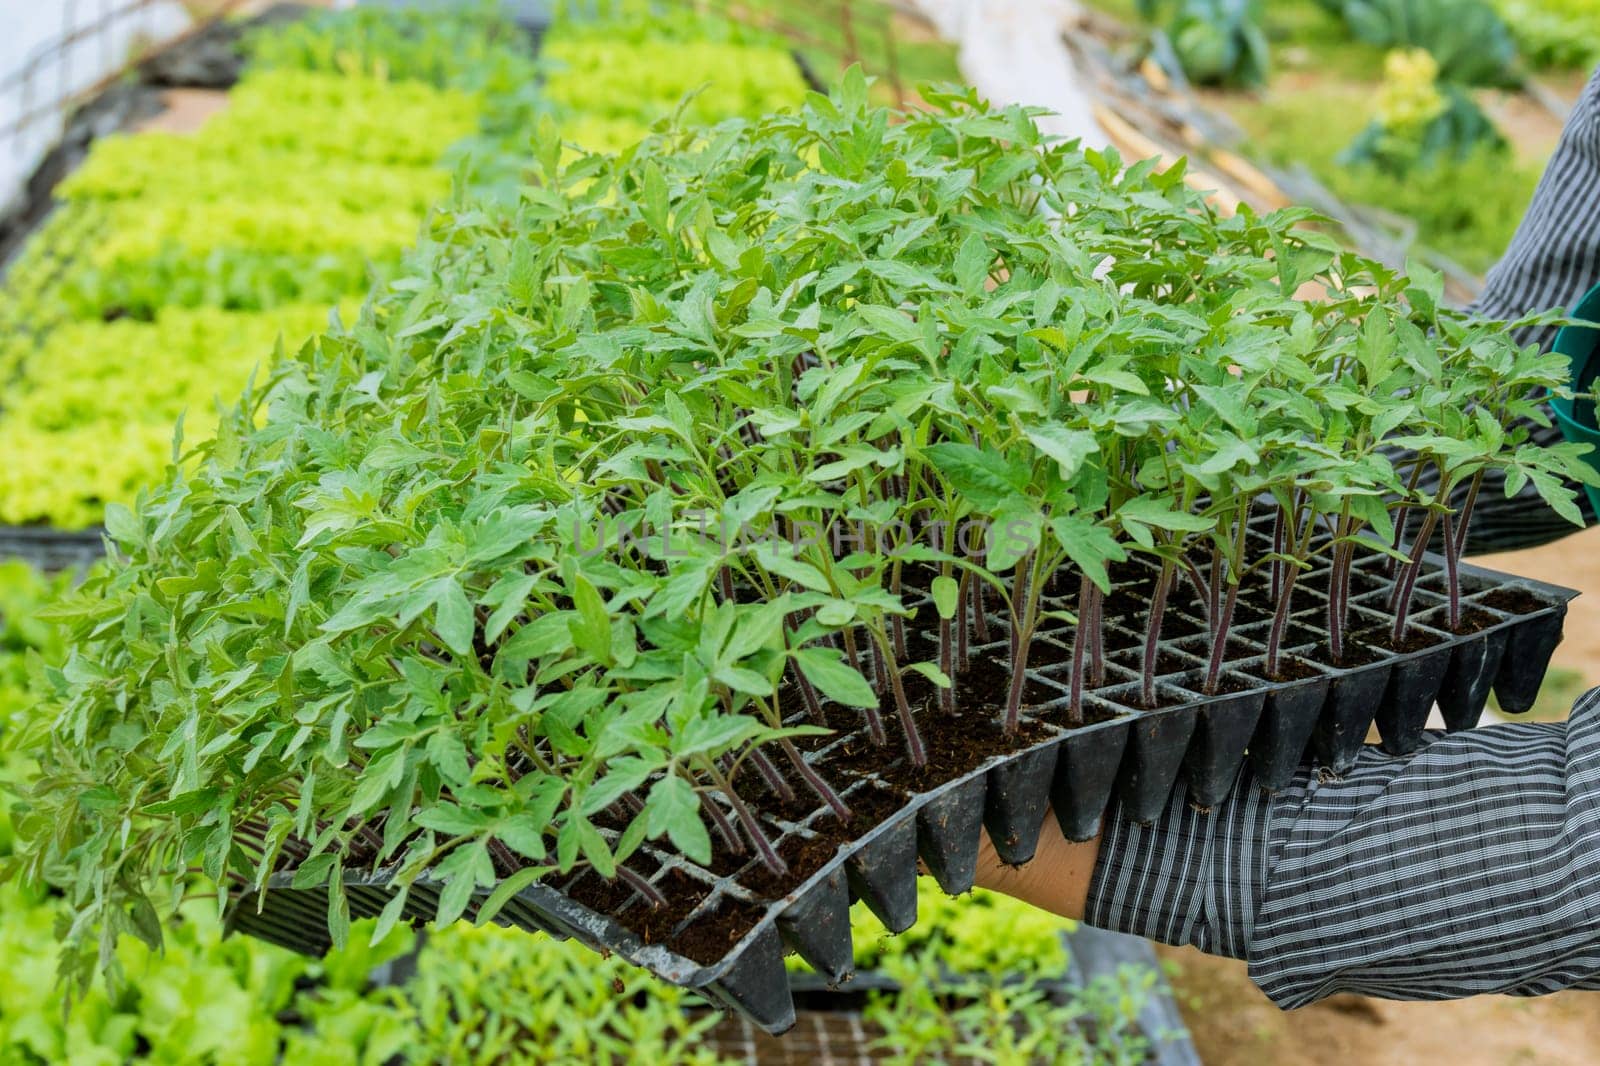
column 1233, row 1024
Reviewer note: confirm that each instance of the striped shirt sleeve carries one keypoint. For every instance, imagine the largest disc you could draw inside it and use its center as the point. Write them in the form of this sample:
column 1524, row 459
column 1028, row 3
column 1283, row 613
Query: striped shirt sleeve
column 1469, row 866
column 1552, row 261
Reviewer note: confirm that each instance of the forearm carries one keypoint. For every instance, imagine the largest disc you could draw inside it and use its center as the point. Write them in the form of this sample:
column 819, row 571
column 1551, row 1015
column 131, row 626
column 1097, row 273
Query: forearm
column 1471, row 866
column 1056, row 879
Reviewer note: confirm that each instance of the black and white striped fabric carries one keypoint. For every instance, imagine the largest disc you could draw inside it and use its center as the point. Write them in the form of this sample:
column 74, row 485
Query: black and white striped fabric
column 1472, row 865
column 1554, row 259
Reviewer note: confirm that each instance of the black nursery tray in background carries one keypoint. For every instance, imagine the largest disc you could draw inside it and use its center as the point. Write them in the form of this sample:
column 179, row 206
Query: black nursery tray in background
column 1138, row 755
column 52, row 549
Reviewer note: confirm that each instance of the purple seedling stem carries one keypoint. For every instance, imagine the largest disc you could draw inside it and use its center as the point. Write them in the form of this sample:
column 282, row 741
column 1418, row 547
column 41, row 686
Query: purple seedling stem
column 1219, row 639
column 770, row 775
column 1080, row 641
column 980, row 617
column 808, row 694
column 1097, row 650
column 752, row 828
column 897, row 624
column 1277, row 549
column 720, row 822
column 963, row 630
column 1400, row 514
column 1152, row 637
column 1452, row 577
column 1280, row 615
column 815, row 780
column 902, row 706
column 1455, row 544
column 1408, row 580
column 1339, row 587
column 947, row 650
column 1022, row 626
column 635, row 881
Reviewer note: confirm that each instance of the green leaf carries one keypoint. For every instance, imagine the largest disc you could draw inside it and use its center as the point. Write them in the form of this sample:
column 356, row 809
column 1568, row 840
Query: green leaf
column 458, row 890
column 674, row 809
column 454, row 618
column 834, row 678
column 591, row 629
column 931, row 672
column 972, row 265
column 714, row 734
column 1068, row 447
column 981, row 476
column 945, row 590
column 507, row 890
column 1150, row 511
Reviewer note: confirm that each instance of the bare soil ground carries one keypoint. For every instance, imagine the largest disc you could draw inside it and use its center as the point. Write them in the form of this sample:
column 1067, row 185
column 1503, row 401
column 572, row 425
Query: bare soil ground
column 1233, row 1024
column 187, row 110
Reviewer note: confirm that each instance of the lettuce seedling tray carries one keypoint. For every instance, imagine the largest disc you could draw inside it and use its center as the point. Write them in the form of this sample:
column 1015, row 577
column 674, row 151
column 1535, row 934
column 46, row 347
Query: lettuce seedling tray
column 730, row 942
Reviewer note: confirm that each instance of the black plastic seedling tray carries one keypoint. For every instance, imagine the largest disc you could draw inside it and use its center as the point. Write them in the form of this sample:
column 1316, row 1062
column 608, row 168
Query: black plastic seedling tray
column 52, row 549
column 1138, row 755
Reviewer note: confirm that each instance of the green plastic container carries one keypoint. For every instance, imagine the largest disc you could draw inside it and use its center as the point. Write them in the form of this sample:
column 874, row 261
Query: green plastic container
column 1581, row 344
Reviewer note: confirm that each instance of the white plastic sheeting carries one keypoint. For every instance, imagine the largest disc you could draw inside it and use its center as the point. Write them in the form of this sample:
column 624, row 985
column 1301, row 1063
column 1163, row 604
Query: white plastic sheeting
column 30, row 33
column 1011, row 51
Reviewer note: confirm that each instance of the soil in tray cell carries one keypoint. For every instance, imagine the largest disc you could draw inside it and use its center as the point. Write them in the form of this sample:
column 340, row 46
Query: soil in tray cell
column 1473, row 620
column 1200, row 647
column 1361, row 582
column 709, row 937
column 611, row 897
column 1358, row 651
column 1513, row 601
column 1176, row 625
column 1131, row 697
column 1227, row 684
column 705, row 940
column 1415, row 639
column 805, row 855
column 803, row 805
column 1166, row 662
column 1297, row 635
column 1293, row 668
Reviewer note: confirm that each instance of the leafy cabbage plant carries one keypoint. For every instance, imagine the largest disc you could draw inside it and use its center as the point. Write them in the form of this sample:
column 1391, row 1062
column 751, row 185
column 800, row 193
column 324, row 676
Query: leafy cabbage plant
column 581, row 533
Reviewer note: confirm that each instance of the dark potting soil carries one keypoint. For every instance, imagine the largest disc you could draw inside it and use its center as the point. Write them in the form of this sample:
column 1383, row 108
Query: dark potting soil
column 1358, row 651
column 708, row 937
column 954, row 745
column 1473, row 620
column 1414, row 639
column 1361, row 582
column 1227, row 684
column 1200, row 647
column 1293, row 668
column 869, row 808
column 1514, row 601
column 605, row 897
column 1093, row 713
column 1165, row 698
column 1166, row 662
column 1176, row 625
column 800, row 806
column 705, row 940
